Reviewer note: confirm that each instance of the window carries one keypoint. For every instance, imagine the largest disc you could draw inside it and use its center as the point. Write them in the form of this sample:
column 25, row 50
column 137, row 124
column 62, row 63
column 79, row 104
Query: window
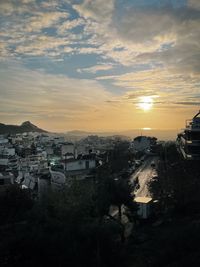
column 87, row 164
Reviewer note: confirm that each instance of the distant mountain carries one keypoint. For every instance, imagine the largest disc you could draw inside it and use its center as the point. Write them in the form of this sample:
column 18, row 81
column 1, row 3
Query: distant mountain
column 166, row 134
column 80, row 133
column 26, row 126
column 84, row 133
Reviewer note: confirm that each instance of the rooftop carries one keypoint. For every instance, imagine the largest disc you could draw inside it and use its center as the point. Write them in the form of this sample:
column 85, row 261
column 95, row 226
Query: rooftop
column 144, row 200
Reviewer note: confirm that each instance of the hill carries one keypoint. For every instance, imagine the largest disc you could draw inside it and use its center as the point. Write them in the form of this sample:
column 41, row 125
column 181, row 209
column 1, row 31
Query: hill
column 26, row 126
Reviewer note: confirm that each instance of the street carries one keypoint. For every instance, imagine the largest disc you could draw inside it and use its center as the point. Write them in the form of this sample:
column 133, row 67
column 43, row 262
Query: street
column 144, row 174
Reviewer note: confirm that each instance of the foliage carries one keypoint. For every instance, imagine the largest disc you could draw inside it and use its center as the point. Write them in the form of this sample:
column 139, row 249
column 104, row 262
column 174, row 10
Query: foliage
column 178, row 184
column 67, row 228
column 71, row 227
column 15, row 203
column 114, row 190
column 119, row 157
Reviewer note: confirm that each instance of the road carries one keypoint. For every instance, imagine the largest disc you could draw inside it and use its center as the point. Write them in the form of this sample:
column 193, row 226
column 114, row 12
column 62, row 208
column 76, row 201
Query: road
column 144, row 174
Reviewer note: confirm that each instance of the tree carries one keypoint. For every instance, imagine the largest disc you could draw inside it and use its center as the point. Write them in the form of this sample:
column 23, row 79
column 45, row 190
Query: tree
column 119, row 157
column 70, row 226
column 178, row 183
column 15, row 203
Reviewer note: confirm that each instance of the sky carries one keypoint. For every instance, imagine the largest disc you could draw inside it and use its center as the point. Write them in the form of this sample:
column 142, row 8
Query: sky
column 99, row 65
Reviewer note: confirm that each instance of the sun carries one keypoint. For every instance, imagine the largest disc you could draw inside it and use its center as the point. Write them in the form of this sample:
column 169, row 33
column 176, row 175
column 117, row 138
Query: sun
column 145, row 103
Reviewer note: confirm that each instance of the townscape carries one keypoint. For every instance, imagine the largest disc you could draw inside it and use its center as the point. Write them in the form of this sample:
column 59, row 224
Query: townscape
column 39, row 161
column 134, row 187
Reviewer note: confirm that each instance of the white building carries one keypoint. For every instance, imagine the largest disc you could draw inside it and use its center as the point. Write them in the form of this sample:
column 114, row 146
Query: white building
column 77, row 165
column 9, row 163
column 58, row 179
column 17, row 139
column 49, row 150
column 8, row 151
column 44, row 138
column 69, row 170
column 4, row 160
column 59, row 140
column 67, row 148
column 33, row 163
column 30, row 181
column 144, row 206
column 80, row 150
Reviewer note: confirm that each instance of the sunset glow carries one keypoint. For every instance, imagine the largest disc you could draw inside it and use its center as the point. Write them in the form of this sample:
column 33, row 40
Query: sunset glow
column 85, row 65
column 145, row 103
column 146, row 129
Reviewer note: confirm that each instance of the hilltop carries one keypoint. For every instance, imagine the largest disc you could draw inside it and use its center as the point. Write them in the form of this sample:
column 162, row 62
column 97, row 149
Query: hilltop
column 26, row 126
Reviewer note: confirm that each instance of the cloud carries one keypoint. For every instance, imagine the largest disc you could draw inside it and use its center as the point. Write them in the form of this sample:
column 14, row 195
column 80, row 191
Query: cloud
column 188, row 103
column 70, row 24
column 24, row 33
column 94, row 69
column 99, row 10
column 194, row 4
column 44, row 45
column 133, row 25
column 128, row 36
column 167, row 35
column 57, row 102
column 165, row 86
column 44, row 20
column 8, row 7
column 89, row 50
column 45, row 95
column 163, row 39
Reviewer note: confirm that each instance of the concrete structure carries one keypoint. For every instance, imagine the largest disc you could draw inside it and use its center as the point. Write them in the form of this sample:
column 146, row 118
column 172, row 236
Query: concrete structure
column 44, row 138
column 80, row 150
column 49, row 150
column 33, row 163
column 8, row 151
column 4, row 160
column 30, row 181
column 6, row 178
column 71, row 169
column 188, row 141
column 9, row 163
column 67, row 148
column 58, row 179
column 77, row 165
column 59, row 140
column 3, row 141
column 144, row 206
